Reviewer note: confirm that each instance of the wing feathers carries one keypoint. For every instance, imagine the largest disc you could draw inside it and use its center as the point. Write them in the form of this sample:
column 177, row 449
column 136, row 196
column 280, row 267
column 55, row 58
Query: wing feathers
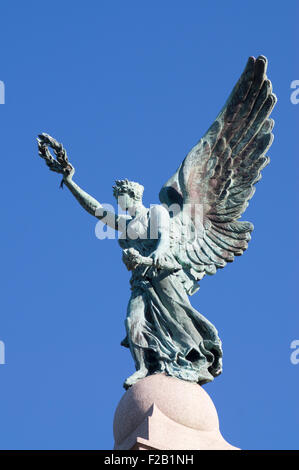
column 220, row 172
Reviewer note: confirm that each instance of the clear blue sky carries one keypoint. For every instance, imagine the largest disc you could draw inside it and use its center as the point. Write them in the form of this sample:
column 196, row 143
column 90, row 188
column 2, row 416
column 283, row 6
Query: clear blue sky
column 129, row 87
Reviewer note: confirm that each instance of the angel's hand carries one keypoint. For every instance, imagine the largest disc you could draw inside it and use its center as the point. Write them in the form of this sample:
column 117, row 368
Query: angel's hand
column 159, row 258
column 60, row 164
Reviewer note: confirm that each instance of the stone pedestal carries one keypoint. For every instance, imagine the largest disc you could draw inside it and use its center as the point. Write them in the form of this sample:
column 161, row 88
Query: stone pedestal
column 165, row 413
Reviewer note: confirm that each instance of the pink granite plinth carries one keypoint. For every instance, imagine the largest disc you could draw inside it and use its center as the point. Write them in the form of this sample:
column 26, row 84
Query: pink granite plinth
column 165, row 413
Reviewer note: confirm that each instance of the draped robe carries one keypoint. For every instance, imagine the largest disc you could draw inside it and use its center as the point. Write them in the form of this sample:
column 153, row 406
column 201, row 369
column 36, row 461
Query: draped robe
column 174, row 338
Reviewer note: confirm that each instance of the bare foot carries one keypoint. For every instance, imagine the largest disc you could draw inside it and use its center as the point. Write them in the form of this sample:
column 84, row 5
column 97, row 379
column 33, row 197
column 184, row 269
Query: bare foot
column 139, row 374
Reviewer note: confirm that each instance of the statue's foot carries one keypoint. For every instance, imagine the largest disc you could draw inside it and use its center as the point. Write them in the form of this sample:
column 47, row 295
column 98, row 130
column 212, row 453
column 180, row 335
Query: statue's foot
column 139, row 374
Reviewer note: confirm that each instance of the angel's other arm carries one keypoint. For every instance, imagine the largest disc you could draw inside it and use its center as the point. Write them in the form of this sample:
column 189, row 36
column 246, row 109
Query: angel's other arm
column 93, row 207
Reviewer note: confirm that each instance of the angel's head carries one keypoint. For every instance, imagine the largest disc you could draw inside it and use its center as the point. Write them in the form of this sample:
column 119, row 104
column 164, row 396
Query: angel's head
column 128, row 193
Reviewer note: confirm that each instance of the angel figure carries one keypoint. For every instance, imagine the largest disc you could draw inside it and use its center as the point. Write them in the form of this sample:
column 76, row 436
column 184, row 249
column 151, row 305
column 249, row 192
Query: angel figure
column 169, row 251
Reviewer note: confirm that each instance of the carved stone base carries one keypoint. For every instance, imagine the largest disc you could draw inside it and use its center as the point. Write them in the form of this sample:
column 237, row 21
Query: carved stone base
column 165, row 413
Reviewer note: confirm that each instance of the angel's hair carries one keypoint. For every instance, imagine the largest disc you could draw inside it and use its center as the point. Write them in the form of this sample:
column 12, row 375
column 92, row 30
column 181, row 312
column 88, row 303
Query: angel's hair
column 135, row 190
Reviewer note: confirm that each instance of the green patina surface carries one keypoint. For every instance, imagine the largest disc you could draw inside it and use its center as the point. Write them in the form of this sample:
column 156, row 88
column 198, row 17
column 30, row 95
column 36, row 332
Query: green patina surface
column 196, row 231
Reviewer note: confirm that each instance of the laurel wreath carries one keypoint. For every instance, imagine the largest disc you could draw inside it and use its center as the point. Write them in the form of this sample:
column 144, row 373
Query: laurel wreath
column 59, row 164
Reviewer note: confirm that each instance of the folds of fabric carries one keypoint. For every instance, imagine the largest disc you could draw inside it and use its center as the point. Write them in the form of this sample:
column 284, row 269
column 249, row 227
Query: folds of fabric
column 180, row 341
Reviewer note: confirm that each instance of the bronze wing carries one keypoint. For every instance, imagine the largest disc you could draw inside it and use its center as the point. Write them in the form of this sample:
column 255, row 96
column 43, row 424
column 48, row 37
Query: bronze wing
column 216, row 180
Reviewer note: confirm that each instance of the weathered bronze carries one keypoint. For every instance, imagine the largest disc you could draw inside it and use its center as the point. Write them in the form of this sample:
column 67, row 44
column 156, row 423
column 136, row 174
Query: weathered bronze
column 193, row 232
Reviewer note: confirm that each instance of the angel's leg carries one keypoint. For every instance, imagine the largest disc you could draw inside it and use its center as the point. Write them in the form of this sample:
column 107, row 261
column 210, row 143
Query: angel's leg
column 135, row 326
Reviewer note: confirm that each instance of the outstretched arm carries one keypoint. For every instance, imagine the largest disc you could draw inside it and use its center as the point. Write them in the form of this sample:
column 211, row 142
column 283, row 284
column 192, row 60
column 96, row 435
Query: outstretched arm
column 63, row 166
column 94, row 207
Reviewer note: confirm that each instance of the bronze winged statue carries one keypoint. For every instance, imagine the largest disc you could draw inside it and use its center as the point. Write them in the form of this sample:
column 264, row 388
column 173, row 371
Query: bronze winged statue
column 195, row 230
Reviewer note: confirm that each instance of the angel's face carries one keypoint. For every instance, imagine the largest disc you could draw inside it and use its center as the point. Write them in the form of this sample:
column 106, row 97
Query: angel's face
column 125, row 201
